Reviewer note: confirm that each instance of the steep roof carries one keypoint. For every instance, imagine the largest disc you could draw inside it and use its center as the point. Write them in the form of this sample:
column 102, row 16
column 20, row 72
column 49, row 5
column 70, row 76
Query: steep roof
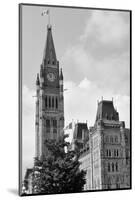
column 49, row 56
column 107, row 111
column 79, row 127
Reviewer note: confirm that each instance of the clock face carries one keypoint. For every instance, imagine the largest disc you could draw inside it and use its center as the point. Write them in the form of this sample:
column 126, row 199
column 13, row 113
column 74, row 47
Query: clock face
column 51, row 76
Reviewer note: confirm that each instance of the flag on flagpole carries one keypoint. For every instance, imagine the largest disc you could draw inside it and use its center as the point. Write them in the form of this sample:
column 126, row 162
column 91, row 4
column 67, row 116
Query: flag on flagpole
column 45, row 12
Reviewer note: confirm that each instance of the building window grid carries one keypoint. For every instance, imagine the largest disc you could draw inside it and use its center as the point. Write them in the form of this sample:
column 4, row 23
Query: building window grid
column 111, row 139
column 112, row 167
column 51, row 102
column 109, row 153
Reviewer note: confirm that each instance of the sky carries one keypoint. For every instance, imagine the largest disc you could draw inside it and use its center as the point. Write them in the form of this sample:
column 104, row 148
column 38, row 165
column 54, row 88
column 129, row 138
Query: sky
column 93, row 48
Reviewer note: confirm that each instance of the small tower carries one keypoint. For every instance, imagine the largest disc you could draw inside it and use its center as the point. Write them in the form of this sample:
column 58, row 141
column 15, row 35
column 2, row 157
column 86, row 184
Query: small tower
column 37, row 116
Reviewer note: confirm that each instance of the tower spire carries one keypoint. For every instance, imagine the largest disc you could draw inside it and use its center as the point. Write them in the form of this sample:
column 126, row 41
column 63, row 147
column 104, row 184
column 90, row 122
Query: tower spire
column 49, row 55
column 61, row 74
column 37, row 81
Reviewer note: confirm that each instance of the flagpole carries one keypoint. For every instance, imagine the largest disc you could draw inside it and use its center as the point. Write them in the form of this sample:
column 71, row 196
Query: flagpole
column 47, row 12
column 49, row 18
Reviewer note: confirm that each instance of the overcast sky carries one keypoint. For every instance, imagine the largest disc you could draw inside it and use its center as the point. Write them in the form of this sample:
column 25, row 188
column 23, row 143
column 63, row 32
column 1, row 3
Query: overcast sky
column 93, row 49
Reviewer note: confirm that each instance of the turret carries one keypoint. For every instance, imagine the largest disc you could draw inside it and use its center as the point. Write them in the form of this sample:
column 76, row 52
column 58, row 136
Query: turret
column 37, row 116
column 38, row 82
column 106, row 111
column 61, row 74
column 61, row 81
column 41, row 75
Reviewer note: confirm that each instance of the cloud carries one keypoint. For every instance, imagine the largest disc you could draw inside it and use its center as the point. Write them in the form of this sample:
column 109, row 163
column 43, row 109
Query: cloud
column 81, row 102
column 84, row 84
column 28, row 100
column 28, row 128
column 107, row 27
column 101, row 53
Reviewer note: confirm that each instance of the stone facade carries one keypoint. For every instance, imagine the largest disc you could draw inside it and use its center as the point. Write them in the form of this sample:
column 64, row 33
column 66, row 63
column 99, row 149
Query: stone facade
column 107, row 157
column 50, row 100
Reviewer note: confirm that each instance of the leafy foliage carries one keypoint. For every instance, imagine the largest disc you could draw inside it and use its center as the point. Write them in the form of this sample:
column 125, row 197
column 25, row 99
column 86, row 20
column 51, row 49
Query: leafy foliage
column 59, row 172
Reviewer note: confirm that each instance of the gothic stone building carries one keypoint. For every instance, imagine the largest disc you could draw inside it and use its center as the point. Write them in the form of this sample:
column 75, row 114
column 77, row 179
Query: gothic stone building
column 106, row 154
column 50, row 100
column 49, row 119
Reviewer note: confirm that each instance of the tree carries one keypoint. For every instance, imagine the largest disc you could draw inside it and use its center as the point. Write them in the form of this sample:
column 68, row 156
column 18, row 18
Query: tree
column 59, row 172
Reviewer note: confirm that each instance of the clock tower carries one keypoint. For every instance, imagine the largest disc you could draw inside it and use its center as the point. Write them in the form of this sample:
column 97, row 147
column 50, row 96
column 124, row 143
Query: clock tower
column 49, row 122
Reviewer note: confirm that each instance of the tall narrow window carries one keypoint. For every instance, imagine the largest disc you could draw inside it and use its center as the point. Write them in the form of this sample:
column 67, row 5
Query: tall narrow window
column 116, row 139
column 56, row 103
column 55, row 128
column 111, row 139
column 116, row 166
column 117, row 153
column 46, row 101
column 112, row 167
column 47, row 125
column 55, row 123
column 107, row 139
column 109, row 152
column 49, row 102
column 114, row 152
column 109, row 167
column 52, row 102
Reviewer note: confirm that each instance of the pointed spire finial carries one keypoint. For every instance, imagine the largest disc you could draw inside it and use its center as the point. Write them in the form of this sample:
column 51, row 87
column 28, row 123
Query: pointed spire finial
column 61, row 74
column 37, row 81
column 41, row 70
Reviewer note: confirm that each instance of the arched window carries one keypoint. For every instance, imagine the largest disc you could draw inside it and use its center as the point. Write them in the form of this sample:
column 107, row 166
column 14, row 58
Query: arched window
column 53, row 62
column 116, row 166
column 112, row 167
column 126, row 139
column 107, row 139
column 46, row 101
column 117, row 153
column 56, row 103
column 109, row 169
column 49, row 102
column 55, row 123
column 109, row 152
column 47, row 125
column 111, row 139
column 116, row 139
column 52, row 102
